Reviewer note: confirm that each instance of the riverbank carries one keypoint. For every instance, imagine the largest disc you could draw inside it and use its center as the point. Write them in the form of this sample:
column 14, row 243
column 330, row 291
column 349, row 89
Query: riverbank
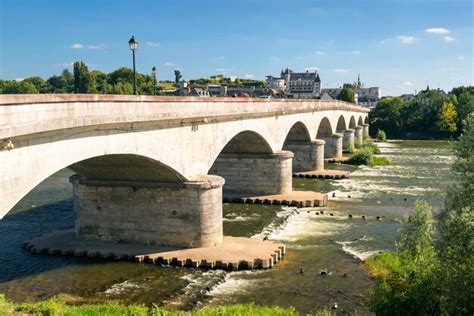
column 59, row 307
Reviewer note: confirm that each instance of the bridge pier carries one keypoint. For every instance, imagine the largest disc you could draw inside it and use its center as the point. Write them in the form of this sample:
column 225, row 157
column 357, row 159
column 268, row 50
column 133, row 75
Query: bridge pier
column 333, row 146
column 365, row 129
column 359, row 136
column 255, row 174
column 309, row 156
column 348, row 140
column 185, row 214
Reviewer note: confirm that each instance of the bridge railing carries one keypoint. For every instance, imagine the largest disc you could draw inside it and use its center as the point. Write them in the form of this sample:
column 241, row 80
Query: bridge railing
column 28, row 114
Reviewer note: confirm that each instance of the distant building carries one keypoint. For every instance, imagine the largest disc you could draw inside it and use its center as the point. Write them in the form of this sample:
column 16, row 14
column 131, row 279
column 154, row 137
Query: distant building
column 363, row 96
column 199, row 92
column 407, row 97
column 298, row 85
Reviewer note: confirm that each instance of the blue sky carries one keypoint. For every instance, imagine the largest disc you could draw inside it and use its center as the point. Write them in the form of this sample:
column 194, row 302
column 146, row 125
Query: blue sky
column 397, row 45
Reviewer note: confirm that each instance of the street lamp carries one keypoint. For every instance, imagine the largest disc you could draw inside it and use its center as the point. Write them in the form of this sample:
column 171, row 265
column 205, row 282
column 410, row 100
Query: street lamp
column 153, row 72
column 133, row 46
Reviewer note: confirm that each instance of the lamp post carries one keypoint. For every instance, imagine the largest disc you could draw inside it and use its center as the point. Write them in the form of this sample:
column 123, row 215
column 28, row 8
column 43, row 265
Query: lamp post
column 133, row 46
column 153, row 72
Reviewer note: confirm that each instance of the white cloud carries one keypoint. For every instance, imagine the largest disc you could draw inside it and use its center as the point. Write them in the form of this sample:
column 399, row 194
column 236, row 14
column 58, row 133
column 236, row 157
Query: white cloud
column 449, row 39
column 223, row 69
column 355, row 52
column 312, row 68
column 249, row 76
column 67, row 64
column 220, row 57
column 81, row 46
column 461, row 57
column 407, row 39
column 77, row 46
column 320, row 53
column 274, row 59
column 19, row 79
column 169, row 64
column 437, row 30
column 98, row 46
column 448, row 68
column 341, row 70
column 152, row 44
column 407, row 84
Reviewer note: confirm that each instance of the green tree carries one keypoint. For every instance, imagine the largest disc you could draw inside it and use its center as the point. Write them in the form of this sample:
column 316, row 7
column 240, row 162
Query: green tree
column 82, row 78
column 456, row 230
column 347, row 94
column 177, row 76
column 387, row 116
column 410, row 290
column 38, row 82
column 465, row 106
column 19, row 87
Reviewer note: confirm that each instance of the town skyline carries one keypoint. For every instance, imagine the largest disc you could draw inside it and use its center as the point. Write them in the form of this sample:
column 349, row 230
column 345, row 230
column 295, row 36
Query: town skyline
column 432, row 49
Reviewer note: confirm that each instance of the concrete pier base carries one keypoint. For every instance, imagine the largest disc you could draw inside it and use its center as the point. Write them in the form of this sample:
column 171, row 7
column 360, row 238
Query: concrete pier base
column 185, row 214
column 234, row 253
column 359, row 136
column 333, row 146
column 307, row 155
column 255, row 174
column 348, row 140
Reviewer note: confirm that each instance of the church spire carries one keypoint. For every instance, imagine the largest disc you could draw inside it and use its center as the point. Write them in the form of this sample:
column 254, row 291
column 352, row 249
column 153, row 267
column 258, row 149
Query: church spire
column 359, row 84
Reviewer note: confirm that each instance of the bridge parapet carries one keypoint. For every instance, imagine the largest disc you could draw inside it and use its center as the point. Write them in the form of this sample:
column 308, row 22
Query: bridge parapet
column 28, row 114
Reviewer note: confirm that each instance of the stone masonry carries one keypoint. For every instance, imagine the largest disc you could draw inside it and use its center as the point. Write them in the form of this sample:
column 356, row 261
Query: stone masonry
column 348, row 139
column 365, row 129
column 309, row 156
column 185, row 214
column 359, row 136
column 333, row 146
column 255, row 174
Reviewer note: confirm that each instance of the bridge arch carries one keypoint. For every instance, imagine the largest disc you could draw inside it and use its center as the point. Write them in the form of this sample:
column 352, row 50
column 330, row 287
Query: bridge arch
column 298, row 132
column 366, row 121
column 360, row 122
column 324, row 129
column 352, row 122
column 86, row 155
column 341, row 124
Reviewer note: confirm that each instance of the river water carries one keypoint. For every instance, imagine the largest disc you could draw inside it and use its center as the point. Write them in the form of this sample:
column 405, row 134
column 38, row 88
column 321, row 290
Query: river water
column 330, row 242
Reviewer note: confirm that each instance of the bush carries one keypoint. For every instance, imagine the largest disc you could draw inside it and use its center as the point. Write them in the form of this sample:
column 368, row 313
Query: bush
column 361, row 157
column 381, row 136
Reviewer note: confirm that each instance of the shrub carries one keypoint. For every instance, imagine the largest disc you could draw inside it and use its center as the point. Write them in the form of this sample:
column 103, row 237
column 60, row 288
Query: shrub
column 381, row 136
column 362, row 156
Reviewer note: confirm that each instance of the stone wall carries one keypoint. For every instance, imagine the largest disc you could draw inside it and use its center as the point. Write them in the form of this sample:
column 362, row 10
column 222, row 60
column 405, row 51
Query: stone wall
column 309, row 156
column 348, row 140
column 359, row 136
column 254, row 174
column 177, row 215
column 333, row 146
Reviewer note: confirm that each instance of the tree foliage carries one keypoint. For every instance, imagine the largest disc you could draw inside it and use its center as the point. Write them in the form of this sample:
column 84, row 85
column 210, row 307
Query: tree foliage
column 434, row 274
column 431, row 114
column 82, row 78
column 347, row 94
column 177, row 76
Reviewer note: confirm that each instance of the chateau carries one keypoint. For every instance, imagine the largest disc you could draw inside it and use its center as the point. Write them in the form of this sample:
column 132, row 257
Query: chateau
column 297, row 85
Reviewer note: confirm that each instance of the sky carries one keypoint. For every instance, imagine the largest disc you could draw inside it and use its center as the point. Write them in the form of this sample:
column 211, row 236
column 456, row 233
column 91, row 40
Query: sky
column 400, row 46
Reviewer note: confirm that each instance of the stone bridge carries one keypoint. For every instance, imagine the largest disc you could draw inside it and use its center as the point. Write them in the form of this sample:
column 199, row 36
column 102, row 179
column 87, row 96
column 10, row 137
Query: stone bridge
column 151, row 170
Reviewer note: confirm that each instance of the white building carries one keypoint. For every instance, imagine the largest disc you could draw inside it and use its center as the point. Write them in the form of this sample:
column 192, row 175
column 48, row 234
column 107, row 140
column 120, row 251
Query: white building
column 298, row 85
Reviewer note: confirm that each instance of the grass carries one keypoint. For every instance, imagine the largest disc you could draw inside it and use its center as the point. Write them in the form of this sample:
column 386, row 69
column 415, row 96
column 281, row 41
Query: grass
column 383, row 264
column 57, row 307
column 365, row 155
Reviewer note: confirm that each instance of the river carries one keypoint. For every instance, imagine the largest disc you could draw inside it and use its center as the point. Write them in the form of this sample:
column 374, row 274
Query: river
column 331, row 242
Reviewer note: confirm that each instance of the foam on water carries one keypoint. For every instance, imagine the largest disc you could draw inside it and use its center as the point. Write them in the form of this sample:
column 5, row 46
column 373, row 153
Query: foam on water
column 120, row 288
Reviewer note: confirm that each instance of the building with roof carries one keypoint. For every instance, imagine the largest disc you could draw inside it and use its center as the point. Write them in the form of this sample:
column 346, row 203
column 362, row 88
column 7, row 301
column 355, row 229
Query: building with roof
column 297, row 85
